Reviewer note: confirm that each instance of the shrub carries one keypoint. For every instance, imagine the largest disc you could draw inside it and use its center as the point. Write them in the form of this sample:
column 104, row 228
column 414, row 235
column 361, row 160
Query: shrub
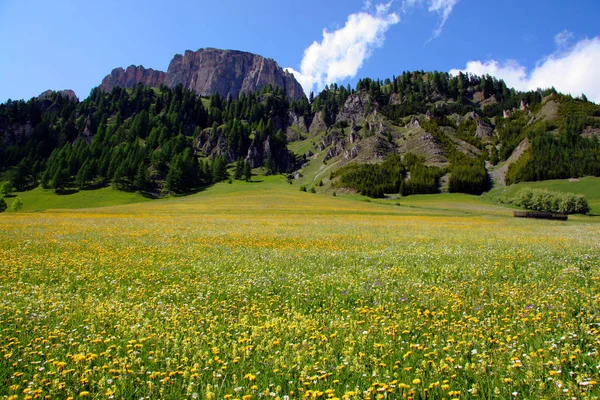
column 17, row 205
column 547, row 201
column 6, row 189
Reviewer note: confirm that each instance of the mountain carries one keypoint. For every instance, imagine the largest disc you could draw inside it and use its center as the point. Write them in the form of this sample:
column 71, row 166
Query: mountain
column 454, row 133
column 132, row 76
column 65, row 93
column 208, row 71
column 421, row 132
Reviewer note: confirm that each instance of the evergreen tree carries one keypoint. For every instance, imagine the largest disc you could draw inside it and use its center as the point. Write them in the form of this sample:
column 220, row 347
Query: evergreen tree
column 239, row 169
column 219, row 169
column 141, row 177
column 61, row 180
column 269, row 165
column 174, row 180
column 84, row 176
column 120, row 177
column 247, row 172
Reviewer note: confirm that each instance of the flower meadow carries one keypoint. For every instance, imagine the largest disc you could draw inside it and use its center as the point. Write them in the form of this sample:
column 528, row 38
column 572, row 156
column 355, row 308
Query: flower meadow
column 290, row 296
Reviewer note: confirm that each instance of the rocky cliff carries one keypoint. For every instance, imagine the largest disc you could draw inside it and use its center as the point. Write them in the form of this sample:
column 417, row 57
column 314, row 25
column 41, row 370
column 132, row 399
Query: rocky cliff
column 131, row 77
column 68, row 93
column 206, row 71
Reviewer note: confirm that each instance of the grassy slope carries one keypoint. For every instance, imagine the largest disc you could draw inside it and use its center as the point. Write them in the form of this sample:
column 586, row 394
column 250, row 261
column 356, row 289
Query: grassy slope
column 268, row 191
column 39, row 199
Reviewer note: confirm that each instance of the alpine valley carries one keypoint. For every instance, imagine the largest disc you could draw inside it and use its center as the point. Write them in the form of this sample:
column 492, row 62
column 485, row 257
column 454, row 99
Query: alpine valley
column 218, row 115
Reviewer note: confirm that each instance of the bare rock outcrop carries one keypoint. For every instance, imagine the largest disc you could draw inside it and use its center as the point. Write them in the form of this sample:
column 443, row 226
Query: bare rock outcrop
column 206, row 71
column 355, row 108
column 484, row 130
column 68, row 93
column 424, row 144
column 296, row 126
column 352, row 153
column 413, row 124
column 317, row 125
column 336, row 149
column 131, row 77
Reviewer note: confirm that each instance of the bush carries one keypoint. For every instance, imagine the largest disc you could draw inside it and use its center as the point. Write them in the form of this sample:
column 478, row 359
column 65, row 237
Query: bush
column 303, row 188
column 6, row 189
column 17, row 205
column 547, row 201
column 2, row 205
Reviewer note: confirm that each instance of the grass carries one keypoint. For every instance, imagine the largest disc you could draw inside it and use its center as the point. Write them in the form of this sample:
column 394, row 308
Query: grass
column 40, row 199
column 250, row 290
column 302, row 147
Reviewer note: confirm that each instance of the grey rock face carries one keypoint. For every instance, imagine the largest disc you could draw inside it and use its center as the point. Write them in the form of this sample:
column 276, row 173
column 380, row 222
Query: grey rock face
column 355, row 107
column 229, row 73
column 484, row 129
column 131, row 77
column 68, row 93
column 206, row 71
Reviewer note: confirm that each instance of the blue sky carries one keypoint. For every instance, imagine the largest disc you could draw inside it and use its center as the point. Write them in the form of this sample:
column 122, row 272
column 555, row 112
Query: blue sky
column 73, row 44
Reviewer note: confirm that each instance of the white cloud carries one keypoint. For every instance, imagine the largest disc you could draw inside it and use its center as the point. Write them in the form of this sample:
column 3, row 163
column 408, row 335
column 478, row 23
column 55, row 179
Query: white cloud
column 341, row 53
column 441, row 7
column 572, row 70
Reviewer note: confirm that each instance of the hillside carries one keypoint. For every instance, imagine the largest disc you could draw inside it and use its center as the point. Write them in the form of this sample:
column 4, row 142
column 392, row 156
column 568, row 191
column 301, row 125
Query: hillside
column 414, row 134
column 468, row 133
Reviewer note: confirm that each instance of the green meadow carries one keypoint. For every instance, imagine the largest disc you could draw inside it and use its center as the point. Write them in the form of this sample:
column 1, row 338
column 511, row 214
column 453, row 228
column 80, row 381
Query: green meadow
column 258, row 290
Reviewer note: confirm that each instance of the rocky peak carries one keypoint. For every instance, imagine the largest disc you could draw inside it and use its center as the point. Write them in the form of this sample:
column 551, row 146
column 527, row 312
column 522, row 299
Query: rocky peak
column 229, row 73
column 68, row 93
column 131, row 77
column 206, row 71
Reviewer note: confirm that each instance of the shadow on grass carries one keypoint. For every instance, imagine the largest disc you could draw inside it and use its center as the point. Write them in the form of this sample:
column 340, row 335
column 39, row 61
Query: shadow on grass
column 95, row 186
column 65, row 192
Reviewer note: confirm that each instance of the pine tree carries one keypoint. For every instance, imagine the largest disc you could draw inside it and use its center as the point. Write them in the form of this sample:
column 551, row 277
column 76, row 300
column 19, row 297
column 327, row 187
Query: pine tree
column 173, row 183
column 84, row 176
column 239, row 169
column 120, row 176
column 61, row 180
column 247, row 172
column 269, row 166
column 141, row 177
column 219, row 169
